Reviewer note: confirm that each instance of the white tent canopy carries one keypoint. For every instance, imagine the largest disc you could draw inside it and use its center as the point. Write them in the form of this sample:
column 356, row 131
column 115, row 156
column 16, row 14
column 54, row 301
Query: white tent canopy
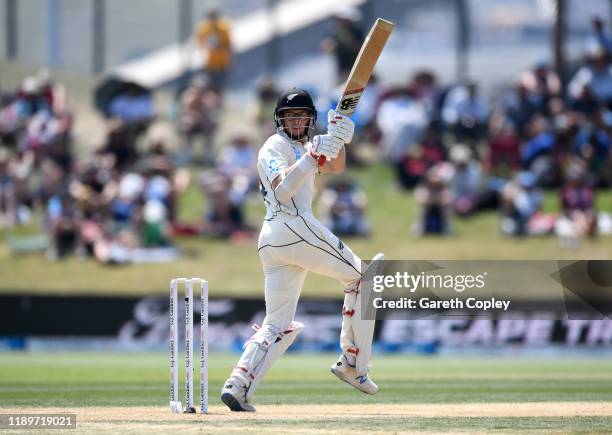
column 248, row 32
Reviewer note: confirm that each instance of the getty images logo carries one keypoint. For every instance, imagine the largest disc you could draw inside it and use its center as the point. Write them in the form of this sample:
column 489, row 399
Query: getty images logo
column 412, row 282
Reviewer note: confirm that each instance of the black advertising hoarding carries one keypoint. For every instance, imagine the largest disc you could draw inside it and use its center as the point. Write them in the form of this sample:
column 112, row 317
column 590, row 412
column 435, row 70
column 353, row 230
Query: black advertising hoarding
column 129, row 322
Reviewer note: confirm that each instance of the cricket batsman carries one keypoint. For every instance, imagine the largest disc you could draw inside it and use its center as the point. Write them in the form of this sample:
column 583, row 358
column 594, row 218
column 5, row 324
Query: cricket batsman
column 293, row 242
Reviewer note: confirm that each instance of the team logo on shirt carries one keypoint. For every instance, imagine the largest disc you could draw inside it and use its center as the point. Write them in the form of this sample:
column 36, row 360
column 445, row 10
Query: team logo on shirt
column 297, row 153
column 273, row 167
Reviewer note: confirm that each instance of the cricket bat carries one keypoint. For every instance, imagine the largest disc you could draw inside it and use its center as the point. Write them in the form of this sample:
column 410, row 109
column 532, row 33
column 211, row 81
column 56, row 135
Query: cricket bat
column 362, row 68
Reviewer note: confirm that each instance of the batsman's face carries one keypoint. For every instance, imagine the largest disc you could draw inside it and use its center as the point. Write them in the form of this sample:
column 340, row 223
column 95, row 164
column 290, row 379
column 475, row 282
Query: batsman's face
column 296, row 121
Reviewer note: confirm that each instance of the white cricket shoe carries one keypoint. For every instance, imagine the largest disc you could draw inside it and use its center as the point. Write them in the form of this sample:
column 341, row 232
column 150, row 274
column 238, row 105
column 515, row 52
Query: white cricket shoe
column 234, row 396
column 348, row 374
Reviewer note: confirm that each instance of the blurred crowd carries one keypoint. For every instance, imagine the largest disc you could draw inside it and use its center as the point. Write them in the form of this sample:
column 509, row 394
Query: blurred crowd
column 113, row 206
column 456, row 150
column 463, row 152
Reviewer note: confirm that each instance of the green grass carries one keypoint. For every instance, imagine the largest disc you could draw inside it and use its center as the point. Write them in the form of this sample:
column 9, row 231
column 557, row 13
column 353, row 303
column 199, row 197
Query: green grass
column 234, row 270
column 96, row 379
column 74, row 380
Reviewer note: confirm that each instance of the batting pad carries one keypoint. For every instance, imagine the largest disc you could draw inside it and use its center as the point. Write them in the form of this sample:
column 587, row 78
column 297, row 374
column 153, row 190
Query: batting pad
column 274, row 352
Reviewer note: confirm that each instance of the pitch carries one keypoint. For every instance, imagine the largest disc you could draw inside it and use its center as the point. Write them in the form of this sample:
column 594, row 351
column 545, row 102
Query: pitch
column 129, row 393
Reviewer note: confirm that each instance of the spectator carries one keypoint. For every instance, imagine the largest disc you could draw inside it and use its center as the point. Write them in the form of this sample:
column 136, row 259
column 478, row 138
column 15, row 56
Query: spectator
column 120, row 145
column 520, row 107
column 213, row 37
column 504, row 148
column 465, row 113
column 542, row 84
column 155, row 229
column 412, row 168
column 585, row 102
column 29, row 101
column 592, row 144
column 578, row 202
column 223, row 217
column 537, row 152
column 200, row 107
column 597, row 75
column 402, row 121
column 521, row 200
column 63, row 221
column 267, row 94
column 238, row 163
column 342, row 207
column 53, row 93
column 600, row 39
column 424, row 86
column 8, row 199
column 344, row 41
column 434, row 201
column 466, row 181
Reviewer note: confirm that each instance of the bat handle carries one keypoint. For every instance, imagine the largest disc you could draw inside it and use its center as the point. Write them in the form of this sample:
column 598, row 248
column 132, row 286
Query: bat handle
column 322, row 159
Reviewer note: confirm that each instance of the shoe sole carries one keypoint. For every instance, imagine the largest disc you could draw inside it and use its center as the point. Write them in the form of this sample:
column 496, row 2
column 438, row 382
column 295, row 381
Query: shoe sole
column 344, row 380
column 232, row 403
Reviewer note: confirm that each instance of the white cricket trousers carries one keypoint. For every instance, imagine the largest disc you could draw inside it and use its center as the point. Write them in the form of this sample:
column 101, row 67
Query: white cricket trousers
column 290, row 247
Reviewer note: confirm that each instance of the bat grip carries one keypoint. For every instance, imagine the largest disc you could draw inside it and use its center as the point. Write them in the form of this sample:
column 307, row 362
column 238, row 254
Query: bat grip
column 322, row 159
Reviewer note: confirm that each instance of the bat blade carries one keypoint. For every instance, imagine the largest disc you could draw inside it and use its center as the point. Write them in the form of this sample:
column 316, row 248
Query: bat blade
column 363, row 68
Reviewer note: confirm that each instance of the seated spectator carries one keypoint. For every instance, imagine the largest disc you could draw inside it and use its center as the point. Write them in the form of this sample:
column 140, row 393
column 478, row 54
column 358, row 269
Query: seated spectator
column 402, row 121
column 542, row 84
column 578, row 201
column 424, row 87
column 520, row 106
column 53, row 93
column 537, row 152
column 223, row 217
column 238, row 158
column 466, row 181
column 434, row 201
column 29, row 100
column 412, row 168
column 592, row 144
column 95, row 188
column 597, row 75
column 238, row 162
column 161, row 178
column 465, row 113
column 342, row 206
column 63, row 223
column 521, row 201
column 8, row 200
column 155, row 227
column 200, row 106
column 124, row 208
column 504, row 147
column 585, row 102
column 120, row 143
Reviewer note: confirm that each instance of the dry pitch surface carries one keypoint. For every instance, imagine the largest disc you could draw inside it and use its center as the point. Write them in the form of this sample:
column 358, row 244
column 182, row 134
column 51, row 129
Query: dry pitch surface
column 394, row 418
column 128, row 393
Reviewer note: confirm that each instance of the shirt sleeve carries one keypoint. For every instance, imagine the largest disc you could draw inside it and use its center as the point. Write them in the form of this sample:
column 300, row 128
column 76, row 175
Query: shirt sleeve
column 272, row 162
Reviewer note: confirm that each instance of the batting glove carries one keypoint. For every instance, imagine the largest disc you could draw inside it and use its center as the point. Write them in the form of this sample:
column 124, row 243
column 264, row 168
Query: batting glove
column 326, row 145
column 340, row 126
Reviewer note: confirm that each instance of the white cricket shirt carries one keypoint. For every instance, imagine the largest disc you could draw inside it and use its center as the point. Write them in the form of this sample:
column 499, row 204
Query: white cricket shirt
column 275, row 156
